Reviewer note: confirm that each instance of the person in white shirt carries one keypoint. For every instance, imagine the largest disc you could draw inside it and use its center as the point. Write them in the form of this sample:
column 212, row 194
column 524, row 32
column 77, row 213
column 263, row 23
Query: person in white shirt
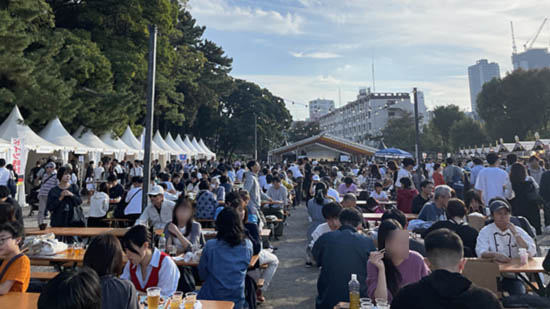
column 159, row 212
column 99, row 205
column 147, row 266
column 492, row 181
column 98, row 171
column 331, row 213
column 405, row 172
column 4, row 173
column 240, row 174
column 501, row 241
column 331, row 192
column 379, row 194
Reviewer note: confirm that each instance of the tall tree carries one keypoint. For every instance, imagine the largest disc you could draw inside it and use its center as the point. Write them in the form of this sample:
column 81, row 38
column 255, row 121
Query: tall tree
column 444, row 117
column 399, row 132
column 467, row 132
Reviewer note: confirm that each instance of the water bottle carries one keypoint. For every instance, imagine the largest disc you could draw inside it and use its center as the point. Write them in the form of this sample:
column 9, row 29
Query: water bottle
column 354, row 288
column 162, row 243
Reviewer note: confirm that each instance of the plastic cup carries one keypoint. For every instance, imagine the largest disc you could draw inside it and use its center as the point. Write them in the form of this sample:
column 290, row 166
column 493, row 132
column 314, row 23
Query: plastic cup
column 176, row 300
column 153, row 297
column 523, row 256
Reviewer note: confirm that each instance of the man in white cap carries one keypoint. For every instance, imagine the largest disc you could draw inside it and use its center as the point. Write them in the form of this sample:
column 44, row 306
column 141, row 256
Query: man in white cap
column 159, row 212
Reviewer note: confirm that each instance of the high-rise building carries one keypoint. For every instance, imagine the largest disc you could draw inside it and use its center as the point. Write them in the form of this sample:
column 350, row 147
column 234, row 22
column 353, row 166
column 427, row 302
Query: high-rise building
column 319, row 108
column 534, row 58
column 479, row 74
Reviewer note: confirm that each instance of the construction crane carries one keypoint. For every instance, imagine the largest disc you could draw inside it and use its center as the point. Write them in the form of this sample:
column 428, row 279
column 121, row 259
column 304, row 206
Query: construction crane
column 514, row 49
column 529, row 44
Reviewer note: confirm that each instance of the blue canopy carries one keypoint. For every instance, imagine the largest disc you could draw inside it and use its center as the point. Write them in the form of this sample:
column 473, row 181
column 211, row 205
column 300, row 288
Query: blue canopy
column 392, row 153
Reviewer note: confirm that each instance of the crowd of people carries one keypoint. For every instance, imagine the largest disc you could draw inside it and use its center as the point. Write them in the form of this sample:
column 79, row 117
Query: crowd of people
column 477, row 207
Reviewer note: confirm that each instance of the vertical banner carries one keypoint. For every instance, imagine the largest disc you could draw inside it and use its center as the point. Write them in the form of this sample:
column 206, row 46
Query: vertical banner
column 17, row 159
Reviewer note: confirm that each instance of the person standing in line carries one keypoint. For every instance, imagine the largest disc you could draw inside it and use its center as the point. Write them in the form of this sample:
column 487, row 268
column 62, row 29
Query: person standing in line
column 49, row 181
column 492, row 181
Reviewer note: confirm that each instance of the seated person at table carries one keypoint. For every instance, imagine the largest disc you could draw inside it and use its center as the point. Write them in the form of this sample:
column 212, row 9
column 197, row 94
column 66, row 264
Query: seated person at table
column 426, row 189
column 349, row 200
column 405, row 195
column 148, row 267
column 265, row 256
column 435, row 211
column 331, row 212
column 99, row 206
column 159, row 212
column 224, row 261
column 116, row 190
column 389, row 271
column 379, row 194
column 77, row 288
column 400, row 217
column 276, row 192
column 206, row 201
column 347, row 186
column 445, row 287
column 6, row 198
column 456, row 212
column 167, row 195
column 501, row 240
column 341, row 253
column 15, row 271
column 183, row 232
column 104, row 256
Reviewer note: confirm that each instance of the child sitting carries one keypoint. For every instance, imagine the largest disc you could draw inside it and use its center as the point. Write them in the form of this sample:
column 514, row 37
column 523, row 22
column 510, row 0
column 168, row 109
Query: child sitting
column 15, row 271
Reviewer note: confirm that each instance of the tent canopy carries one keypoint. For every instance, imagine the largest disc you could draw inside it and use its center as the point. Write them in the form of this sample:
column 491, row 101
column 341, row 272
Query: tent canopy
column 112, row 140
column 183, row 146
column 162, row 144
column 189, row 145
column 392, row 153
column 201, row 143
column 13, row 127
column 130, row 139
column 54, row 132
column 154, row 147
column 88, row 138
column 172, row 143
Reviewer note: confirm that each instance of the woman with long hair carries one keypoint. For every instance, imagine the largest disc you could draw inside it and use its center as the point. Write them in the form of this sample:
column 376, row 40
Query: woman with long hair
column 526, row 199
column 393, row 265
column 225, row 259
column 315, row 212
column 183, row 232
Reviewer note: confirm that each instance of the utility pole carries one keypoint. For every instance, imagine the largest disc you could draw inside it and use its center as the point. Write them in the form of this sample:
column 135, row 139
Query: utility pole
column 417, row 130
column 255, row 137
column 150, row 113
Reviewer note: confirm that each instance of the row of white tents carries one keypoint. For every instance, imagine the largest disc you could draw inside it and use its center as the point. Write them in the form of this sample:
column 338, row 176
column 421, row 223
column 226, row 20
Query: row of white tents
column 520, row 147
column 55, row 139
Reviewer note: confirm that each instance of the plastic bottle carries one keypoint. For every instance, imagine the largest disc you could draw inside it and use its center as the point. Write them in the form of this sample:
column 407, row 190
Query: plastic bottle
column 354, row 288
column 162, row 243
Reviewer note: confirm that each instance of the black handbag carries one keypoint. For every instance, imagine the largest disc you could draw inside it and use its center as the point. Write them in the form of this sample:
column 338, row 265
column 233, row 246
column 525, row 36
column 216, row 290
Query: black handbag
column 77, row 219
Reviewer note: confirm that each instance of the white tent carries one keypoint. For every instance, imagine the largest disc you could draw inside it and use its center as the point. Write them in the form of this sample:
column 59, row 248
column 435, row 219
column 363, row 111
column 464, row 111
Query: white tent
column 88, row 138
column 54, row 132
column 154, row 147
column 189, row 145
column 130, row 139
column 201, row 143
column 172, row 143
column 13, row 127
column 162, row 144
column 198, row 147
column 112, row 140
column 182, row 145
column 4, row 148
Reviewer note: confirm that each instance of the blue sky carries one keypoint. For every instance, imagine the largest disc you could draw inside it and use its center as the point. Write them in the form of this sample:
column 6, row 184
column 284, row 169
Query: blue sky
column 306, row 49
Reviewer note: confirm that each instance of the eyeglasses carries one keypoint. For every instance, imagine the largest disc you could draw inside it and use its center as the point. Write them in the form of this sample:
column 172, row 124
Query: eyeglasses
column 3, row 240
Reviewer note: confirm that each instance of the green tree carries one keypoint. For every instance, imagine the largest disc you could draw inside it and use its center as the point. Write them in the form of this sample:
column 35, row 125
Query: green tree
column 399, row 132
column 444, row 117
column 516, row 104
column 303, row 129
column 467, row 132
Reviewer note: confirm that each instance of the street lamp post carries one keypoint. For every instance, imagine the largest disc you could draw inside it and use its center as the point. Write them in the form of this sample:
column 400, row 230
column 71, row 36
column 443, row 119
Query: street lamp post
column 416, row 127
column 150, row 113
column 255, row 137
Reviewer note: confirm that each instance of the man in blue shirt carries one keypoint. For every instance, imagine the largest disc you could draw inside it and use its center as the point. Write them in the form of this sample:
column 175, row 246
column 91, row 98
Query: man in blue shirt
column 341, row 253
column 435, row 211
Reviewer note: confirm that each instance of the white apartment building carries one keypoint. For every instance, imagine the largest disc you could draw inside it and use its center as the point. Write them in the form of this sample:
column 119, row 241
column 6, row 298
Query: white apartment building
column 319, row 108
column 368, row 115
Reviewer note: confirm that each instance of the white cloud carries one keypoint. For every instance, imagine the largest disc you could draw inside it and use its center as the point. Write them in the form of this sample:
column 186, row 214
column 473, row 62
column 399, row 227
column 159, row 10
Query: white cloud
column 220, row 15
column 315, row 55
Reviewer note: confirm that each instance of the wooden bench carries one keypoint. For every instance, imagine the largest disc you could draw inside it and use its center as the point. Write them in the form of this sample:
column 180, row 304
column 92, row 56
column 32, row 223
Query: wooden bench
column 43, row 276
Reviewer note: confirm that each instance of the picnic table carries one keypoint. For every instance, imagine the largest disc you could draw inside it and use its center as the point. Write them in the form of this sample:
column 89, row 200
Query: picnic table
column 69, row 231
column 378, row 216
column 253, row 262
column 533, row 266
column 20, row 300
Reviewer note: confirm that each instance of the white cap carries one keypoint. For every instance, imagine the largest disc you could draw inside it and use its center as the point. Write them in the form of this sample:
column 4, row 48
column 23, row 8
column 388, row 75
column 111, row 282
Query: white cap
column 156, row 190
column 353, row 276
column 316, row 178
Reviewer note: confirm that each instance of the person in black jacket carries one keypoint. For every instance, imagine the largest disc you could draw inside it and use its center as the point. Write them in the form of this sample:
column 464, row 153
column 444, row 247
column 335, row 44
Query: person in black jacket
column 456, row 211
column 526, row 199
column 445, row 287
column 544, row 192
column 62, row 199
column 6, row 198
